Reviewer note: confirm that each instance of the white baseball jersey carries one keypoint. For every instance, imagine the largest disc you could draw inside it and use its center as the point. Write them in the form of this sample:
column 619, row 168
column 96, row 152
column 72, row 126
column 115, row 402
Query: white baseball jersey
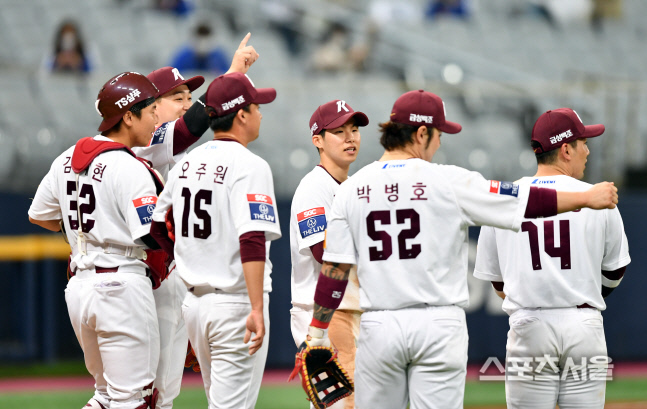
column 311, row 203
column 554, row 262
column 113, row 212
column 405, row 223
column 160, row 149
column 219, row 191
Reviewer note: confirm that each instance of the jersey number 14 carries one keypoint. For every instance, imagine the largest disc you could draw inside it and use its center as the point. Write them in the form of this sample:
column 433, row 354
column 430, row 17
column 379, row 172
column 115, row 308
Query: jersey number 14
column 564, row 249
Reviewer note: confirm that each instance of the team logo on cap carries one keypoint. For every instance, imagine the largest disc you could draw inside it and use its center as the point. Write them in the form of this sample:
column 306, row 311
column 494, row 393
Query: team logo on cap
column 261, row 208
column 145, row 207
column 312, row 221
column 421, row 118
column 177, row 75
column 313, row 129
column 504, row 188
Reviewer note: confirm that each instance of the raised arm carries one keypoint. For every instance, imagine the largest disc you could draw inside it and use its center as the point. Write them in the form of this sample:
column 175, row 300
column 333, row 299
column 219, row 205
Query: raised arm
column 244, row 57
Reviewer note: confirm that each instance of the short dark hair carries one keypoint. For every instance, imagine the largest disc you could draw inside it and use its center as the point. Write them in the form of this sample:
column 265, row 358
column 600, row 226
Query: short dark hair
column 396, row 135
column 136, row 110
column 223, row 123
column 548, row 158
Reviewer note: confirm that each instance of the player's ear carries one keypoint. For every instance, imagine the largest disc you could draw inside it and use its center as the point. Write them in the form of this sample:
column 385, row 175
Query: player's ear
column 241, row 115
column 128, row 118
column 566, row 151
column 421, row 135
column 317, row 140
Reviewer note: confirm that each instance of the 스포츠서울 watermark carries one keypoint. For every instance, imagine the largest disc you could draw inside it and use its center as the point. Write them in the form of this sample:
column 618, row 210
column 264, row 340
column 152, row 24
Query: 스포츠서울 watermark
column 547, row 368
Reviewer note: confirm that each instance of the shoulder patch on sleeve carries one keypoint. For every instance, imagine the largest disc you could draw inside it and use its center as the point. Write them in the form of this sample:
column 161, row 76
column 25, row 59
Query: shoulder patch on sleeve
column 159, row 135
column 145, row 207
column 312, row 221
column 261, row 208
column 504, row 188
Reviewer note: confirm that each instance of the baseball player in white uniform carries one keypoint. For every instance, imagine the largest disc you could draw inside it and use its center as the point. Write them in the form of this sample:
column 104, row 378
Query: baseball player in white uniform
column 403, row 221
column 223, row 203
column 553, row 276
column 334, row 128
column 179, row 125
column 107, row 221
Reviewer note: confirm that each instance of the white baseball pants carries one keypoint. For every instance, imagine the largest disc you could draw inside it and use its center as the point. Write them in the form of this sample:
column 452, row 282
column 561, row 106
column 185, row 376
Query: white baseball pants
column 216, row 326
column 552, row 354
column 173, row 339
column 416, row 355
column 113, row 316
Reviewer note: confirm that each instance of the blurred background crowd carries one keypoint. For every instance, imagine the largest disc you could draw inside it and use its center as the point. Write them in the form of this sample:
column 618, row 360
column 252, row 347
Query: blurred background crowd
column 498, row 64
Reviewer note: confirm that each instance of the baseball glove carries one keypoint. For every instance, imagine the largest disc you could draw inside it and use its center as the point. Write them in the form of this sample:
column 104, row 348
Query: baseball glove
column 322, row 377
column 191, row 361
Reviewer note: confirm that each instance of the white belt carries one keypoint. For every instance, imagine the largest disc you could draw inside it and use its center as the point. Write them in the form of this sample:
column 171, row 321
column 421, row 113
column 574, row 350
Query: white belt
column 126, row 251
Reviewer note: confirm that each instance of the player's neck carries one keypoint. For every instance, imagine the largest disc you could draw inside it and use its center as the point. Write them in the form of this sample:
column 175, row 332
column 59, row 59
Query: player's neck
column 398, row 154
column 121, row 137
column 229, row 136
column 552, row 170
column 338, row 172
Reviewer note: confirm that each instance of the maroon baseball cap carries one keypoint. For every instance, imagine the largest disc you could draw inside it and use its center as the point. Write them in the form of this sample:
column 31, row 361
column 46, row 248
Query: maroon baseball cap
column 559, row 126
column 418, row 108
column 334, row 114
column 168, row 78
column 231, row 92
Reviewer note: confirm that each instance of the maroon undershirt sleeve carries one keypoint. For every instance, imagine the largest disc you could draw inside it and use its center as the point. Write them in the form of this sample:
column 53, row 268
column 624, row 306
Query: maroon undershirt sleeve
column 160, row 234
column 498, row 285
column 252, row 246
column 317, row 251
column 182, row 138
column 541, row 203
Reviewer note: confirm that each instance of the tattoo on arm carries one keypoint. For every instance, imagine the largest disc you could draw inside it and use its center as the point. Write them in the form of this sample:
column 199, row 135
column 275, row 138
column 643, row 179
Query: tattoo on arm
column 323, row 314
column 336, row 271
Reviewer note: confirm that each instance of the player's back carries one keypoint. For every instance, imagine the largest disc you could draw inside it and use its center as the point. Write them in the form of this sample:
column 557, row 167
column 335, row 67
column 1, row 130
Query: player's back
column 409, row 221
column 556, row 262
column 214, row 202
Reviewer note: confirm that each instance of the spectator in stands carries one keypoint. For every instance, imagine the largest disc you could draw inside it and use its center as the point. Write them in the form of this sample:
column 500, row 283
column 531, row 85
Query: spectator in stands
column 69, row 54
column 179, row 7
column 203, row 53
column 286, row 19
column 337, row 52
column 454, row 8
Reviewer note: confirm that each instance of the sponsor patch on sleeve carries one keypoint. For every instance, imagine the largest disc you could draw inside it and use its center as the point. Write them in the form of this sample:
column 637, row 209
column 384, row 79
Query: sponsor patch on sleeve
column 159, row 135
column 145, row 207
column 504, row 188
column 312, row 221
column 261, row 207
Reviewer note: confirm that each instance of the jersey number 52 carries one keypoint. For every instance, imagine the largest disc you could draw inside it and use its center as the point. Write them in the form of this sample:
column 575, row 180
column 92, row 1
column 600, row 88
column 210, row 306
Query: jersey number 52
column 384, row 217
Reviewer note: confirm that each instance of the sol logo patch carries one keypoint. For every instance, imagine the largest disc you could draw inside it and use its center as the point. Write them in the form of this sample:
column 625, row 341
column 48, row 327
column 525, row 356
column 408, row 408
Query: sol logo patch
column 145, row 207
column 504, row 188
column 312, row 221
column 159, row 135
column 260, row 207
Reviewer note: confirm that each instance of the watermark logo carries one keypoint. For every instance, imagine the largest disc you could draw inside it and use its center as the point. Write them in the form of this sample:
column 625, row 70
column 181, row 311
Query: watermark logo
column 547, row 368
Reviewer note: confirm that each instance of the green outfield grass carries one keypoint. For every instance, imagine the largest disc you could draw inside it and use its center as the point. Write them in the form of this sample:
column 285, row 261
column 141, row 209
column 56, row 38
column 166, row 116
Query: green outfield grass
column 477, row 394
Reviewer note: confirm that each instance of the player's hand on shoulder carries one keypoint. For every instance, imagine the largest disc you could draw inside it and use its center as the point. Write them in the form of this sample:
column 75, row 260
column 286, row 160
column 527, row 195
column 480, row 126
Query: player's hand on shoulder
column 244, row 57
column 256, row 325
column 602, row 195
